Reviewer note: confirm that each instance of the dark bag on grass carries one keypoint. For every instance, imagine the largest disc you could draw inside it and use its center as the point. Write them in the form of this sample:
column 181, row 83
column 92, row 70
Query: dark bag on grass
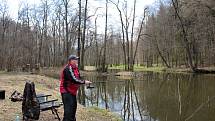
column 16, row 96
column 30, row 104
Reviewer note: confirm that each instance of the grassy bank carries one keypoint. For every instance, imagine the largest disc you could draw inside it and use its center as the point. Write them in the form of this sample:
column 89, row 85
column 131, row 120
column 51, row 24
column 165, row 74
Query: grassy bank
column 161, row 69
column 55, row 71
column 46, row 85
column 141, row 68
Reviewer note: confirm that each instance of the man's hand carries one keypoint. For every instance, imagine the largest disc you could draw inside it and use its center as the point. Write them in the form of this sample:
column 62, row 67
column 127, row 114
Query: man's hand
column 87, row 82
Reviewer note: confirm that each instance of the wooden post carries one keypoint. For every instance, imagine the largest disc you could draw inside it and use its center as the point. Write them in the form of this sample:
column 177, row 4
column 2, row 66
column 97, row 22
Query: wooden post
column 28, row 69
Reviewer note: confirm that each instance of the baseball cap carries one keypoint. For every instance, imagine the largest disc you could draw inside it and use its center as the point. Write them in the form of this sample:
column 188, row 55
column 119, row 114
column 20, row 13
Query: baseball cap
column 73, row 57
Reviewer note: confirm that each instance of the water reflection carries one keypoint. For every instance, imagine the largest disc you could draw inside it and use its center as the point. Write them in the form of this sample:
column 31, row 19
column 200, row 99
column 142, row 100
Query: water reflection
column 154, row 96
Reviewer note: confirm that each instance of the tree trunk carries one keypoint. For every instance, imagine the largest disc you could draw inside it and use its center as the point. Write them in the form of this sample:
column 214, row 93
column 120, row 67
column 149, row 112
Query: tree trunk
column 104, row 68
column 67, row 29
column 79, row 34
column 186, row 42
column 83, row 37
column 139, row 34
column 132, row 60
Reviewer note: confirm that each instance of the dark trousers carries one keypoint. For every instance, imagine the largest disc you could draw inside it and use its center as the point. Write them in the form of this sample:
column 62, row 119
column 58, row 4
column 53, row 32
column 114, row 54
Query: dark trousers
column 70, row 106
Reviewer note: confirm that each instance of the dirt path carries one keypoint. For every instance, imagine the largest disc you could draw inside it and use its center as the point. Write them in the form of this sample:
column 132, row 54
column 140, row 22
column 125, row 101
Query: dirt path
column 45, row 85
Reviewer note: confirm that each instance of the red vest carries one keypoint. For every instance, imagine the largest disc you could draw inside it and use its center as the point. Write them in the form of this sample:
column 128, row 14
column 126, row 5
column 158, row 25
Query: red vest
column 71, row 87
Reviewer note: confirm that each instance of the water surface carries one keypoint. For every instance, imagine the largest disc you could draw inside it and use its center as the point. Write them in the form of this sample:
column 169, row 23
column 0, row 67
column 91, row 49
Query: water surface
column 154, row 96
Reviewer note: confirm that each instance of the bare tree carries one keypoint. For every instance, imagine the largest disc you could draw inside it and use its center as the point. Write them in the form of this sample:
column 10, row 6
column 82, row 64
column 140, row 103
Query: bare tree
column 66, row 2
column 4, row 26
column 103, row 63
column 123, row 34
column 185, row 39
column 83, row 37
column 127, row 42
column 79, row 33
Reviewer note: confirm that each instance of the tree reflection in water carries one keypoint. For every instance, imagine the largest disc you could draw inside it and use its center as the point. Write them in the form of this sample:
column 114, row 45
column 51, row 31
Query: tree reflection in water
column 154, row 96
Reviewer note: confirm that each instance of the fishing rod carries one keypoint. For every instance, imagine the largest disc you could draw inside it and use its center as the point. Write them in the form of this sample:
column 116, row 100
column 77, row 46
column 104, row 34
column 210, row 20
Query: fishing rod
column 91, row 86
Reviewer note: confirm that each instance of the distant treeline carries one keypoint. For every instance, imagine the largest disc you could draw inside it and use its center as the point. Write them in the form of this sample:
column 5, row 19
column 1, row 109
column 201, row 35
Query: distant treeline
column 178, row 33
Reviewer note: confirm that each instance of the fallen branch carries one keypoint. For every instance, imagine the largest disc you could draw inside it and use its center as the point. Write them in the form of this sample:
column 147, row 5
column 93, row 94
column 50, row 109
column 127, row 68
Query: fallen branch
column 199, row 108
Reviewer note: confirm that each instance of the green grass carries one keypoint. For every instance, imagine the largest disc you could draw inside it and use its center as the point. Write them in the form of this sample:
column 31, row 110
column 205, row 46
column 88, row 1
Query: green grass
column 117, row 67
column 2, row 72
column 155, row 69
column 141, row 68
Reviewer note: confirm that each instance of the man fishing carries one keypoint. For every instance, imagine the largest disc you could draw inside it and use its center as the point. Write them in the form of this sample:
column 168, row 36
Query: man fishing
column 69, row 83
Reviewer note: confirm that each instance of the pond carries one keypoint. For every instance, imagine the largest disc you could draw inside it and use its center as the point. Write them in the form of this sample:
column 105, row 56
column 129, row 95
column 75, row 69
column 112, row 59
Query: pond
column 154, row 96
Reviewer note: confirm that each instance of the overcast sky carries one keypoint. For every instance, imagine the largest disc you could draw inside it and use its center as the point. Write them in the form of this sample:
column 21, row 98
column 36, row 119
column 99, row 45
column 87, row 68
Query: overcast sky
column 113, row 16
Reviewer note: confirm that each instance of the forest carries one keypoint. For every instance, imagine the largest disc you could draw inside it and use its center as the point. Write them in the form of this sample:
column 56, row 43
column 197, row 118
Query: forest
column 170, row 33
